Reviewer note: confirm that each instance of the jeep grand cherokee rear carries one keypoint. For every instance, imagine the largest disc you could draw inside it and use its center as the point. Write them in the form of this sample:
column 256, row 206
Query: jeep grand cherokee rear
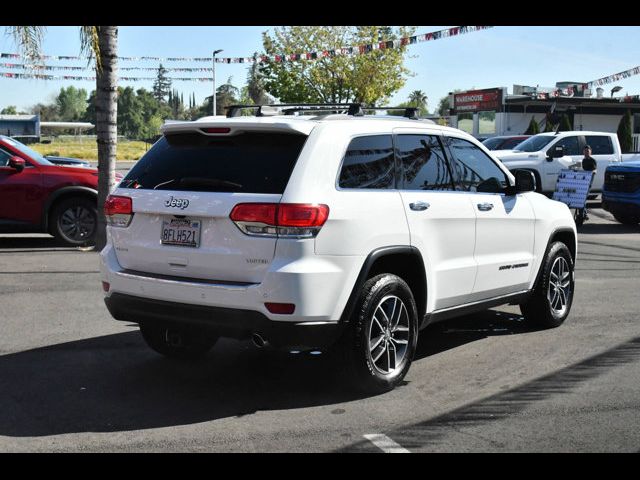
column 200, row 244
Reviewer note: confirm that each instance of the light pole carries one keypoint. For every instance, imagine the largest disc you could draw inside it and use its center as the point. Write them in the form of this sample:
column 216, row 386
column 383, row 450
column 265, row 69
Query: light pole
column 214, row 81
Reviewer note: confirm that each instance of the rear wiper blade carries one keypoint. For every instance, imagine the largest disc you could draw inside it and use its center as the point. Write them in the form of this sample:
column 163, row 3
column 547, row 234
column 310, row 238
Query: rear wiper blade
column 208, row 182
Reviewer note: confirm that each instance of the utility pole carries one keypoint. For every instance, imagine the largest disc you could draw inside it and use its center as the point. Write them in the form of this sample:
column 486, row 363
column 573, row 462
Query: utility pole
column 214, row 81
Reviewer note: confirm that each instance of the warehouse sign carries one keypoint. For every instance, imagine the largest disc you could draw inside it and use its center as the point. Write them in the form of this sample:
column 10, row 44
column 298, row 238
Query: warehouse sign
column 478, row 100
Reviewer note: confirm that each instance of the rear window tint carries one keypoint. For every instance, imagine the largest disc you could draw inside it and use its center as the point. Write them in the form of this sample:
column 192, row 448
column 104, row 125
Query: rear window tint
column 252, row 162
column 600, row 145
column 368, row 163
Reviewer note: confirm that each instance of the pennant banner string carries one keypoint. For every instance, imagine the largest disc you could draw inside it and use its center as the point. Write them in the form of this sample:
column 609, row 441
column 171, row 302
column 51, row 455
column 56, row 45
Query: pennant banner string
column 355, row 50
column 615, row 77
column 75, row 77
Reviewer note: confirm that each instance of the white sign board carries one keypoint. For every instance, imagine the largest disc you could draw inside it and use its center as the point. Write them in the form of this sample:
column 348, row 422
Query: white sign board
column 572, row 187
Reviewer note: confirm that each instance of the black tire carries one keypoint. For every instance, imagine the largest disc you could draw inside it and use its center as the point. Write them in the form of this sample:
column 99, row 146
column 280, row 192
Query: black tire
column 542, row 308
column 365, row 373
column 627, row 219
column 74, row 221
column 184, row 344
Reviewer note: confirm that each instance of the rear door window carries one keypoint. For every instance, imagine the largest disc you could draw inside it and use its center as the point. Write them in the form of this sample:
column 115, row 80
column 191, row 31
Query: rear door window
column 600, row 145
column 423, row 163
column 368, row 163
column 251, row 162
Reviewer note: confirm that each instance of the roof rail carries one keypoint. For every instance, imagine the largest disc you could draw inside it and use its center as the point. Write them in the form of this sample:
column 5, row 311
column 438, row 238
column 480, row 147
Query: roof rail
column 354, row 109
column 409, row 112
column 291, row 108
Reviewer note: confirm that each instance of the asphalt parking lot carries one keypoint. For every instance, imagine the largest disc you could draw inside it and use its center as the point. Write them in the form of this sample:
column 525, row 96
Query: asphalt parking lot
column 73, row 379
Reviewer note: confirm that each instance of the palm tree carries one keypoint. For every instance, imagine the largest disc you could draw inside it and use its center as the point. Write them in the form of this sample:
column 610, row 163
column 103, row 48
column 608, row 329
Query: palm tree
column 100, row 43
column 418, row 98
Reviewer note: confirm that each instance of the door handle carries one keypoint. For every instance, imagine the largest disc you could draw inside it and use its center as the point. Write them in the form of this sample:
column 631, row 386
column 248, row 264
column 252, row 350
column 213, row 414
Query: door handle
column 485, row 207
column 419, row 206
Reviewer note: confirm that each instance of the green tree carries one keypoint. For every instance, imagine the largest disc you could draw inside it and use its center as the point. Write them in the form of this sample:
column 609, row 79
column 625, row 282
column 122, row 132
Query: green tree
column 565, row 124
column 549, row 125
column 444, row 106
column 130, row 114
column 100, row 43
column 151, row 127
column 370, row 78
column 255, row 88
column 47, row 112
column 226, row 94
column 72, row 103
column 533, row 128
column 624, row 133
column 10, row 110
column 161, row 85
column 418, row 98
column 90, row 111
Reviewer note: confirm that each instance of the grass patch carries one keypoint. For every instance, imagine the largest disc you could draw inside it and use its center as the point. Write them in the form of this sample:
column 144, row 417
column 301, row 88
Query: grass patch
column 87, row 149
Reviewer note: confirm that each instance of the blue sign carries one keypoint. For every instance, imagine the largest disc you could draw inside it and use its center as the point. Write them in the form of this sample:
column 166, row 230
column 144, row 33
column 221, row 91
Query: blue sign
column 572, row 187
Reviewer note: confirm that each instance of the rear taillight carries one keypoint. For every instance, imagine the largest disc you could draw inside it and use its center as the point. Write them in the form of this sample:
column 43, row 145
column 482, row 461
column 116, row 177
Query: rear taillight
column 118, row 210
column 296, row 220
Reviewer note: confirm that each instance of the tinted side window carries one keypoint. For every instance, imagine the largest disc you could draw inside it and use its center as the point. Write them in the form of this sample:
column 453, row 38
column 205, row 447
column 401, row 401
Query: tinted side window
column 600, row 145
column 474, row 170
column 570, row 145
column 423, row 163
column 511, row 143
column 368, row 163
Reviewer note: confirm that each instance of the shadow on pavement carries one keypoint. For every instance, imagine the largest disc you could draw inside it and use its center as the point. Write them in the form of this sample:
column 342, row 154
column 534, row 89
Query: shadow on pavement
column 116, row 383
column 600, row 228
column 502, row 405
column 24, row 244
column 470, row 328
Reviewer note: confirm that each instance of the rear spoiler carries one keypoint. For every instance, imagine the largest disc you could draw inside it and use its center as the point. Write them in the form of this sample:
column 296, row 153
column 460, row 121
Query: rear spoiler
column 239, row 125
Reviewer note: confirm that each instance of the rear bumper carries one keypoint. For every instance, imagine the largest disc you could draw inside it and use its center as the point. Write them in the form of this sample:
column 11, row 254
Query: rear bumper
column 224, row 322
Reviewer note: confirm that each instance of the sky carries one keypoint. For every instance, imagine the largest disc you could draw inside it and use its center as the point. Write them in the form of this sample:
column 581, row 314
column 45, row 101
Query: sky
column 497, row 57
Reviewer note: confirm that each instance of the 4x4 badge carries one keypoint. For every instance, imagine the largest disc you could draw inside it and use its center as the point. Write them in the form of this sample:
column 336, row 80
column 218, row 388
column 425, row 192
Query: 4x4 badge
column 180, row 203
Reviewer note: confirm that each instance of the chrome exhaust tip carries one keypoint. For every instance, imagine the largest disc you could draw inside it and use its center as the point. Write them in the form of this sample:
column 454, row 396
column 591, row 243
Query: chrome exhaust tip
column 258, row 341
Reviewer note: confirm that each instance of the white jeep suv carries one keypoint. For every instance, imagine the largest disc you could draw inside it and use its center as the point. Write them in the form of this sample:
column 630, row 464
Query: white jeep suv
column 328, row 232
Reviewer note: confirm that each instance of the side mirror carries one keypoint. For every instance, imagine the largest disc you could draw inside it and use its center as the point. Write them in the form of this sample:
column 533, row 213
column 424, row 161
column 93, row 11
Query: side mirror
column 555, row 152
column 17, row 163
column 525, row 181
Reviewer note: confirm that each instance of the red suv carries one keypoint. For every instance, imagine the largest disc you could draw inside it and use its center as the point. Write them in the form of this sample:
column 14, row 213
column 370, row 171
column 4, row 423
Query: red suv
column 38, row 196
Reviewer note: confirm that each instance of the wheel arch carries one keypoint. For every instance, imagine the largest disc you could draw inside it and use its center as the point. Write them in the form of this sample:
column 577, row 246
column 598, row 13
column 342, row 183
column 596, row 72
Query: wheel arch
column 63, row 194
column 403, row 261
column 565, row 235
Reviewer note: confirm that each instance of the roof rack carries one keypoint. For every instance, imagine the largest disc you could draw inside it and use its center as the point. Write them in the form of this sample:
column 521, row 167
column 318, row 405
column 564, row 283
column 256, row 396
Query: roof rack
column 353, row 109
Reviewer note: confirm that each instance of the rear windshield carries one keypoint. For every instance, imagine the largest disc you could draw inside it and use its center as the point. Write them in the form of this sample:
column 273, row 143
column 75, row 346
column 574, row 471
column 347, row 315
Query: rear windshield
column 251, row 162
column 492, row 143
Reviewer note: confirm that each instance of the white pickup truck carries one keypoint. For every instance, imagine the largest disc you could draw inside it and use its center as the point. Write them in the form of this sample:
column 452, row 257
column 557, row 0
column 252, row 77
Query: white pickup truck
column 541, row 155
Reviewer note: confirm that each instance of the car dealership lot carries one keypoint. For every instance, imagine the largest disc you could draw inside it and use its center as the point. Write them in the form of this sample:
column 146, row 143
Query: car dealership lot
column 73, row 379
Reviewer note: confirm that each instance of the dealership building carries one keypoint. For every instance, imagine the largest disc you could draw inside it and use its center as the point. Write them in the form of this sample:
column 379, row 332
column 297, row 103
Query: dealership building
column 493, row 111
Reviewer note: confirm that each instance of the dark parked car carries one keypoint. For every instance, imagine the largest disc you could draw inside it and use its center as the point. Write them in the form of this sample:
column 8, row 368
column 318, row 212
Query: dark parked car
column 38, row 196
column 68, row 162
column 504, row 142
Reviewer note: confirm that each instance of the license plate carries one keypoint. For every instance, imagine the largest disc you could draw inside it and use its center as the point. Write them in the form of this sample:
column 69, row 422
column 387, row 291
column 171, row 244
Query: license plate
column 182, row 232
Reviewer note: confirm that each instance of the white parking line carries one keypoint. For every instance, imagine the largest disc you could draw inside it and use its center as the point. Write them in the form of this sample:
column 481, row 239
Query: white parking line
column 385, row 444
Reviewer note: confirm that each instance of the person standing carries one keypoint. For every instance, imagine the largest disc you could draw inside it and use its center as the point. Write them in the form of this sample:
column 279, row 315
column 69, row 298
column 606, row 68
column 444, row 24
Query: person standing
column 589, row 164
